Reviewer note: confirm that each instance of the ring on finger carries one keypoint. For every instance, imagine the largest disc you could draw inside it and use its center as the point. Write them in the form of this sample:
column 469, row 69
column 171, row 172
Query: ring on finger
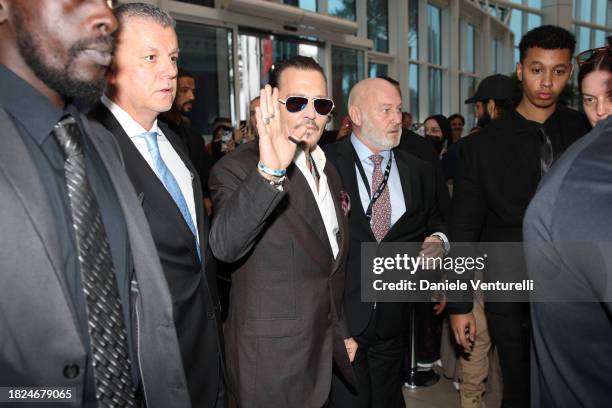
column 266, row 121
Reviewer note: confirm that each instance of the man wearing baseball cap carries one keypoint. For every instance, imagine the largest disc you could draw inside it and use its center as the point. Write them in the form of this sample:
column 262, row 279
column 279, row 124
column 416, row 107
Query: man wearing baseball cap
column 494, row 95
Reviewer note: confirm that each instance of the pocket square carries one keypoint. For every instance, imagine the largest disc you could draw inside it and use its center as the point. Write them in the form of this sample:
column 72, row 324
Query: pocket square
column 345, row 202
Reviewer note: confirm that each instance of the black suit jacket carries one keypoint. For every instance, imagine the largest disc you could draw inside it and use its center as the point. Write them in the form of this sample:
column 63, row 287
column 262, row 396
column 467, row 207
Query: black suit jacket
column 499, row 171
column 196, row 150
column 192, row 285
column 417, row 145
column 422, row 192
column 497, row 176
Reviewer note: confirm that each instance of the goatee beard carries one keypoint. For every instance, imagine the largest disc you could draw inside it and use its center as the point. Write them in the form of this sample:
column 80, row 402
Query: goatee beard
column 61, row 80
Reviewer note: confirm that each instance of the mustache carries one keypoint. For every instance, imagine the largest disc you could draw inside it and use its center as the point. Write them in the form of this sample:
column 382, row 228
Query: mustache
column 310, row 122
column 105, row 42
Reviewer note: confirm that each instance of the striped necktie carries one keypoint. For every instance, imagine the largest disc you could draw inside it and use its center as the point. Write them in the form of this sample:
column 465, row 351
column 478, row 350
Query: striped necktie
column 106, row 326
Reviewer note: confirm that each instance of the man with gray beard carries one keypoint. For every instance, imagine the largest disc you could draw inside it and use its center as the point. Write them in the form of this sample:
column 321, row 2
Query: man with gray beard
column 395, row 198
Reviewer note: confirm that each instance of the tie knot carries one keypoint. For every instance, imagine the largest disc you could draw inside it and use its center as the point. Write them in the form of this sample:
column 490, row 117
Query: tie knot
column 151, row 140
column 376, row 159
column 68, row 135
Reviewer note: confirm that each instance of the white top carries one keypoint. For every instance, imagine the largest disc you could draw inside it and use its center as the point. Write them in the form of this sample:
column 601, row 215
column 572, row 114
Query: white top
column 323, row 196
column 173, row 161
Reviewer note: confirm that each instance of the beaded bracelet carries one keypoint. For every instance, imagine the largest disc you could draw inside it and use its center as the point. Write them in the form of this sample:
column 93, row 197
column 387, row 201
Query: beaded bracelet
column 271, row 172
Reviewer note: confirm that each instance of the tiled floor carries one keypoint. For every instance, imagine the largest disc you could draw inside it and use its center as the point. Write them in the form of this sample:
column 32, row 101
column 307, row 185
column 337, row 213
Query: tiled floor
column 443, row 395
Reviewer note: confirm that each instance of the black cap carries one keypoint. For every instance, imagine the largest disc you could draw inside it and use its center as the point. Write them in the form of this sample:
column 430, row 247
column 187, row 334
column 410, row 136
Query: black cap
column 496, row 86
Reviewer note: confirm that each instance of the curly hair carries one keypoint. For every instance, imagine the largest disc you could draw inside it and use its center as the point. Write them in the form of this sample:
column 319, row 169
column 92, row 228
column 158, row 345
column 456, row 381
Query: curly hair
column 548, row 37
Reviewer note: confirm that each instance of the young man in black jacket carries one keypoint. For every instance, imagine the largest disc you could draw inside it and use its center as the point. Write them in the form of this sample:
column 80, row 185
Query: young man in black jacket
column 498, row 173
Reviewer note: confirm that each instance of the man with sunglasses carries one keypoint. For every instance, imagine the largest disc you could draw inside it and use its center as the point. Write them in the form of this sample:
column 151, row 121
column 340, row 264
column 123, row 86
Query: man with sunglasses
column 280, row 218
column 395, row 198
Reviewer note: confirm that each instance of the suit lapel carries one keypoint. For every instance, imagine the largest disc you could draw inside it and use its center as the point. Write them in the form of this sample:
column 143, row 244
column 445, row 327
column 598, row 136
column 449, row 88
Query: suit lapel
column 335, row 187
column 16, row 163
column 346, row 167
column 410, row 182
column 201, row 219
column 307, row 206
column 411, row 189
column 305, row 217
column 156, row 198
column 348, row 172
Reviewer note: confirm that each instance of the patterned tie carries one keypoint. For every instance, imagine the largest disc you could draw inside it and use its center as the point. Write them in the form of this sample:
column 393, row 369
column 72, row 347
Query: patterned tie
column 311, row 165
column 107, row 333
column 381, row 210
column 169, row 182
column 546, row 152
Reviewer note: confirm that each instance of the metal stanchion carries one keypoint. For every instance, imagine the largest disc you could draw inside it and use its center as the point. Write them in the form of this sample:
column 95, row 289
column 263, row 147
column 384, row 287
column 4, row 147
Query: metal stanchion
column 415, row 377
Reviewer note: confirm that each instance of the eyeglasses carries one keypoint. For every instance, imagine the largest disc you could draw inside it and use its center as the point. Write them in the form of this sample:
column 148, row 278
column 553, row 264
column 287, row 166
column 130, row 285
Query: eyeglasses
column 323, row 106
column 589, row 56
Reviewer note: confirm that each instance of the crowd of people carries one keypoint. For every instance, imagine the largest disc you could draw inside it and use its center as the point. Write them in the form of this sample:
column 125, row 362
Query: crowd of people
column 142, row 267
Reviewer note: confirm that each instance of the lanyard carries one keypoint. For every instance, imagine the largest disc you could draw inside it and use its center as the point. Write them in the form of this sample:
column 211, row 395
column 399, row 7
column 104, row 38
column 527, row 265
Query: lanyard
column 380, row 188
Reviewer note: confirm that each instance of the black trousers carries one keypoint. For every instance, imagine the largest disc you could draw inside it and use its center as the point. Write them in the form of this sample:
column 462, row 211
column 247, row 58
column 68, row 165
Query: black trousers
column 509, row 325
column 377, row 368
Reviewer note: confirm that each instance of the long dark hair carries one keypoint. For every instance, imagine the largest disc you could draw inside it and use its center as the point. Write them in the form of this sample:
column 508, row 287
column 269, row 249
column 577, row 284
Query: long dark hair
column 447, row 133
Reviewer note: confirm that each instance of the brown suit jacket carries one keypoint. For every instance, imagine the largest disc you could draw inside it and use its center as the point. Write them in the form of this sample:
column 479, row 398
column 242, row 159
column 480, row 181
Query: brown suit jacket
column 285, row 328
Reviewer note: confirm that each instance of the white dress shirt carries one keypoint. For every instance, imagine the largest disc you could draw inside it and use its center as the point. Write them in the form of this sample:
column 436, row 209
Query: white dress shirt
column 396, row 193
column 173, row 161
column 322, row 195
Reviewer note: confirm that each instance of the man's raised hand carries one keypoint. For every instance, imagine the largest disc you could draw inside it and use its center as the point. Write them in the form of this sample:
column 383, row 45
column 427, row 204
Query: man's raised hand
column 276, row 150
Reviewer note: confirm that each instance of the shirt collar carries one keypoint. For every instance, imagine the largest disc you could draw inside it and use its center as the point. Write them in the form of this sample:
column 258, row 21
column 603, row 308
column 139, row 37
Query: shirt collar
column 317, row 155
column 553, row 118
column 130, row 126
column 364, row 153
column 32, row 109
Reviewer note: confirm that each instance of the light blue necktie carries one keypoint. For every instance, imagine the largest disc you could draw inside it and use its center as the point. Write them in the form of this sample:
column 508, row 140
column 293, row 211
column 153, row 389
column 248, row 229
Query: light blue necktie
column 169, row 182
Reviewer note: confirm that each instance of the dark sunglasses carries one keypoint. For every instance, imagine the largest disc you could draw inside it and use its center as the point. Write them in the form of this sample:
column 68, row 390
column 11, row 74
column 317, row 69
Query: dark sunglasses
column 591, row 55
column 323, row 106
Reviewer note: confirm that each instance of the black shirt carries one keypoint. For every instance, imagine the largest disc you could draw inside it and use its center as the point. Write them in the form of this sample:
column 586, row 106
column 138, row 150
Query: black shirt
column 560, row 137
column 418, row 146
column 34, row 117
